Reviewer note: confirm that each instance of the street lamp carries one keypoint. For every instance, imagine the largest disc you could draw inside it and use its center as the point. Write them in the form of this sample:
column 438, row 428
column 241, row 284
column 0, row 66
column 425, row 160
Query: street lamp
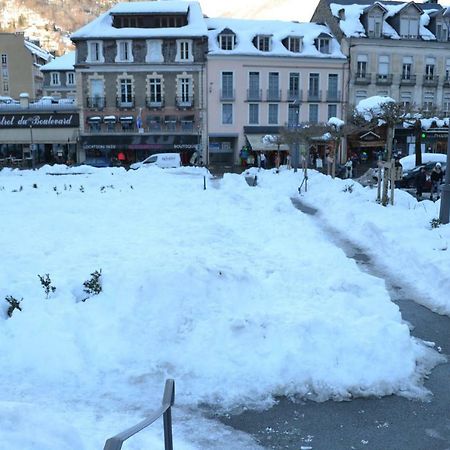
column 31, row 144
column 445, row 189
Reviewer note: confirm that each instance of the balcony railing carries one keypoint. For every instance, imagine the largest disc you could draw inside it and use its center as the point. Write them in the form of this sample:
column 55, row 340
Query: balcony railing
column 184, row 102
column 227, row 95
column 363, row 78
column 96, row 102
column 152, row 126
column 407, row 80
column 254, row 95
column 273, row 95
column 294, row 95
column 314, row 95
column 126, row 102
column 153, row 103
column 333, row 96
column 384, row 79
column 430, row 80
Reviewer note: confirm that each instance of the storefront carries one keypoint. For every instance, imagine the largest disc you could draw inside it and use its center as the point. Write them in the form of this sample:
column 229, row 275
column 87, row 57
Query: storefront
column 104, row 150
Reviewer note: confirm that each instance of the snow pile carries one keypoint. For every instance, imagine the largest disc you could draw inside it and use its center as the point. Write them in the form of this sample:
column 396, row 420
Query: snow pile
column 409, row 162
column 371, row 107
column 229, row 290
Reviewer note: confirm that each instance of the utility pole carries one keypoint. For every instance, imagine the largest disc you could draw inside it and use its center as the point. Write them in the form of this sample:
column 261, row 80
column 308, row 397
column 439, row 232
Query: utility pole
column 445, row 189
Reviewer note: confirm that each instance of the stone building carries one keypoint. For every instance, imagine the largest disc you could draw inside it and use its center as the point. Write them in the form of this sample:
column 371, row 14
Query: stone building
column 59, row 78
column 140, row 74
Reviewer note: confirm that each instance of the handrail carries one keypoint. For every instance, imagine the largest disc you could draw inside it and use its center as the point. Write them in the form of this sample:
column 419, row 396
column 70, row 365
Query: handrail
column 116, row 442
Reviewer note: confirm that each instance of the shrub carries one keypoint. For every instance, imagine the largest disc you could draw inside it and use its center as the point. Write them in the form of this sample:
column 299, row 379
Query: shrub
column 47, row 284
column 435, row 223
column 348, row 188
column 93, row 286
column 13, row 304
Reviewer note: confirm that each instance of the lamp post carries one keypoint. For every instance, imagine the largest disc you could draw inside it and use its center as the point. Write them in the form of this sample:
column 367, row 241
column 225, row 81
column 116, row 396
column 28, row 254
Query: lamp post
column 445, row 189
column 31, row 145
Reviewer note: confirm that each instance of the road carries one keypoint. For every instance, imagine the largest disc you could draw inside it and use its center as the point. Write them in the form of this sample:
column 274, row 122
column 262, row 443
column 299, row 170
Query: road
column 388, row 423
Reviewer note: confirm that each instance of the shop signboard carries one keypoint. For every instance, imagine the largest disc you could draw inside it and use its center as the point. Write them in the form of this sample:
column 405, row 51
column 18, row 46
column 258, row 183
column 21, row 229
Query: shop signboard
column 44, row 120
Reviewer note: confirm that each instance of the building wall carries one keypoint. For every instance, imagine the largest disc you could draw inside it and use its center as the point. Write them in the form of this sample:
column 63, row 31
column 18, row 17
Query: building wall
column 17, row 73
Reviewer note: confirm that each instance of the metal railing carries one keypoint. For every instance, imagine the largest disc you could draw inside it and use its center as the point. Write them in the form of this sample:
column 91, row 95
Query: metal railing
column 116, row 442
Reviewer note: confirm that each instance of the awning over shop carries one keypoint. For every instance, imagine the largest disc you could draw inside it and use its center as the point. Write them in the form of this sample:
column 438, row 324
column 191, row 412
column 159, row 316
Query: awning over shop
column 110, row 119
column 257, row 144
column 94, row 119
column 126, row 119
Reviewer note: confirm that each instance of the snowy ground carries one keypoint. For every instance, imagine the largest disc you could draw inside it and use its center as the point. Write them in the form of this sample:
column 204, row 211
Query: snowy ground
column 229, row 290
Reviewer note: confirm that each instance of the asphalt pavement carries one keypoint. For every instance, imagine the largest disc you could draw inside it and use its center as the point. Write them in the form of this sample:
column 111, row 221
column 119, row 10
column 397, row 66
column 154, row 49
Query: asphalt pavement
column 387, row 423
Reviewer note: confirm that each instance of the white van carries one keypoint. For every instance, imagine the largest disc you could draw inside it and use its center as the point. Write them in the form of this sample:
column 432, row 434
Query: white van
column 163, row 160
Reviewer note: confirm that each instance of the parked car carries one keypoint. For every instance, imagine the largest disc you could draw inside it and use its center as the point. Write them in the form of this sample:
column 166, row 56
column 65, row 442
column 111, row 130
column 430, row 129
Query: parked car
column 409, row 176
column 163, row 160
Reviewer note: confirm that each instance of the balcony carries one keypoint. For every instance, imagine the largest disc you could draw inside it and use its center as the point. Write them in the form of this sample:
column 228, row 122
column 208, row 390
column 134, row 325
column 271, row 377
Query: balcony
column 407, row 80
column 96, row 102
column 314, row 95
column 363, row 78
column 430, row 80
column 227, row 95
column 254, row 95
column 294, row 95
column 383, row 79
column 333, row 96
column 154, row 103
column 273, row 95
column 184, row 101
column 125, row 102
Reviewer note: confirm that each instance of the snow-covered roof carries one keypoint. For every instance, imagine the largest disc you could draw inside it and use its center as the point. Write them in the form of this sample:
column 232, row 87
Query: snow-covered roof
column 38, row 51
column 351, row 25
column 246, row 30
column 101, row 27
column 64, row 62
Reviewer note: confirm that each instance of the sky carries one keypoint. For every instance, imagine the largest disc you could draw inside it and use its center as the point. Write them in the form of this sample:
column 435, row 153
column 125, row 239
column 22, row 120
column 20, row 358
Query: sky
column 212, row 287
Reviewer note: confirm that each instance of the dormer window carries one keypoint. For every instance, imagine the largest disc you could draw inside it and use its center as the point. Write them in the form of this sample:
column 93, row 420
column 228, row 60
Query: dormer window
column 55, row 80
column 227, row 41
column 263, row 43
column 323, row 45
column 294, row 44
column 375, row 26
column 441, row 32
column 409, row 27
column 124, row 51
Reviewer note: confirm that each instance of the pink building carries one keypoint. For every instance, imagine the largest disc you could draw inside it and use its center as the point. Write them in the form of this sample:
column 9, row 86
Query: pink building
column 264, row 75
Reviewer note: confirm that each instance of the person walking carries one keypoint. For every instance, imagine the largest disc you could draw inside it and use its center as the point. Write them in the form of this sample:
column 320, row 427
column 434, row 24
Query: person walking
column 349, row 168
column 437, row 176
column 420, row 183
column 263, row 160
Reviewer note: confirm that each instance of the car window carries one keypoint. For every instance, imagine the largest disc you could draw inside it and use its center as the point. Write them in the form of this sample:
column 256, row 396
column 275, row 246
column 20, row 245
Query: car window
column 150, row 160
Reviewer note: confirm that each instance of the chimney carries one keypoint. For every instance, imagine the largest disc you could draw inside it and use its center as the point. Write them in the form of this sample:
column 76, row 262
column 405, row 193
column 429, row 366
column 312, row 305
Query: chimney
column 24, row 100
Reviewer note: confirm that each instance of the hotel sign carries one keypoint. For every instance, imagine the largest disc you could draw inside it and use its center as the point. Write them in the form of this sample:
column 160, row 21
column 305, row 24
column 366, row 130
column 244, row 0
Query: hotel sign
column 39, row 121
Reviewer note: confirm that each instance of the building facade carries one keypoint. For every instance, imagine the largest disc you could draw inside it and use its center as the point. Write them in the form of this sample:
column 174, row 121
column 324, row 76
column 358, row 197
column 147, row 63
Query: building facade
column 266, row 75
column 21, row 61
column 59, row 78
column 395, row 49
column 140, row 73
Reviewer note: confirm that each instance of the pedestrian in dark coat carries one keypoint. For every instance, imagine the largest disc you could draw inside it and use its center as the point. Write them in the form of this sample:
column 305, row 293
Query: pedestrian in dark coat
column 420, row 182
column 437, row 176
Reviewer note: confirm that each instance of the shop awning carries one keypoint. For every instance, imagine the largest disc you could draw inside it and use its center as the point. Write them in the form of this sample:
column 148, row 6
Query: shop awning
column 127, row 119
column 110, row 119
column 257, row 144
column 94, row 119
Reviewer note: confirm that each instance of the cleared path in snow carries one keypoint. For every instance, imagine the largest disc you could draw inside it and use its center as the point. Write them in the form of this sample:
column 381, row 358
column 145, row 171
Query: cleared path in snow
column 388, row 423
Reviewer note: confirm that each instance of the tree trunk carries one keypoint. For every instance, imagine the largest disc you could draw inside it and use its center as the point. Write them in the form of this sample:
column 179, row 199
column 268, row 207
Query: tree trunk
column 389, row 141
column 418, row 142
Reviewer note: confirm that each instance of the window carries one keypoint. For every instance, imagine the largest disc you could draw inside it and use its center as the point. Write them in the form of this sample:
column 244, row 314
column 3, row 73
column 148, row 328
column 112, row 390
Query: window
column 409, row 27
column 314, row 85
column 441, row 32
column 430, row 63
column 154, row 51
column 4, row 59
column 253, row 113
column 447, row 70
column 383, row 67
column 124, row 51
column 227, row 113
column 184, row 84
column 95, row 51
column 273, row 114
column 5, row 86
column 155, row 91
column 184, row 51
column 428, row 101
column 323, row 45
column 294, row 86
column 332, row 111
column 263, row 43
column 405, row 99
column 253, row 86
column 70, row 78
column 446, row 103
column 5, row 73
column 97, row 91
column 314, row 113
column 227, row 85
column 55, row 79
column 407, row 68
column 360, row 95
column 274, row 86
column 126, row 92
column 361, row 66
column 333, row 86
column 294, row 44
column 227, row 41
column 375, row 26
column 293, row 114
